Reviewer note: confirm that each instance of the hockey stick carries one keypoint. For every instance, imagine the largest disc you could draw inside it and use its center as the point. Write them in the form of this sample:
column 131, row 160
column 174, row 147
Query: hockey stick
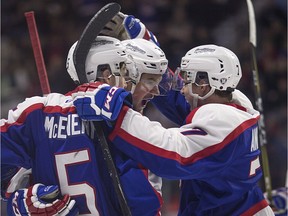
column 36, row 46
column 259, row 106
column 91, row 31
column 38, row 56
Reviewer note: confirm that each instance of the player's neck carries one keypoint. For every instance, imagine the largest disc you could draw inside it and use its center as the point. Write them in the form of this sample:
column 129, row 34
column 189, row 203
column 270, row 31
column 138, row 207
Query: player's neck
column 216, row 99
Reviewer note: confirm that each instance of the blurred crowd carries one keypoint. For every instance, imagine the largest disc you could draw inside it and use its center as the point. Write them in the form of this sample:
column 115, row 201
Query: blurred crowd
column 179, row 26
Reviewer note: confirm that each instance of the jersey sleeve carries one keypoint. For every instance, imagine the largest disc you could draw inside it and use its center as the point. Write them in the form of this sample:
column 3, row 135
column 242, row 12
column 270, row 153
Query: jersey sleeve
column 18, row 133
column 199, row 149
column 17, row 145
column 173, row 105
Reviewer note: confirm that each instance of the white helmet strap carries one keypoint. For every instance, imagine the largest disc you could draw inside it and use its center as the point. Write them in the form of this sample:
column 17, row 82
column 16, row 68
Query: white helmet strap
column 212, row 90
column 133, row 88
column 197, row 96
column 117, row 80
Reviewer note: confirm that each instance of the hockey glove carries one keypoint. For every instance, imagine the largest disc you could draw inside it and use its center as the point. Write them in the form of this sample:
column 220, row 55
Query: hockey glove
column 125, row 27
column 40, row 200
column 279, row 198
column 103, row 103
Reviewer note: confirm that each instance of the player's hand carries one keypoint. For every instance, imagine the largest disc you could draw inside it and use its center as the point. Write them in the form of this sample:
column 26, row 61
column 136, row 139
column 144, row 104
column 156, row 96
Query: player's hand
column 279, row 198
column 115, row 28
column 103, row 103
column 125, row 27
column 40, row 200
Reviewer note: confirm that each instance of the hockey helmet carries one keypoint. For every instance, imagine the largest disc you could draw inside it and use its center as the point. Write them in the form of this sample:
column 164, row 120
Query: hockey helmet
column 105, row 51
column 220, row 65
column 147, row 56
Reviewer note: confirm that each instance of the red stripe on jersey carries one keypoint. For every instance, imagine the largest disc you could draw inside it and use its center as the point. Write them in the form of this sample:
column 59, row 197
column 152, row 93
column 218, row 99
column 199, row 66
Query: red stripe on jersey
column 215, row 148
column 145, row 172
column 192, row 113
column 255, row 208
column 118, row 131
column 38, row 106
column 85, row 87
column 119, row 122
column 238, row 107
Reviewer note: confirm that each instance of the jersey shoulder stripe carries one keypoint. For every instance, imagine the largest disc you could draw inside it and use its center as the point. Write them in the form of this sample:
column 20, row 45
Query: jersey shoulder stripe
column 146, row 146
column 53, row 103
column 214, row 127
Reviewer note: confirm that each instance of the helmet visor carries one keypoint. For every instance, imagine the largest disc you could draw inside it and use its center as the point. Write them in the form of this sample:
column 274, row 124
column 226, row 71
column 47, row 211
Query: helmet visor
column 181, row 78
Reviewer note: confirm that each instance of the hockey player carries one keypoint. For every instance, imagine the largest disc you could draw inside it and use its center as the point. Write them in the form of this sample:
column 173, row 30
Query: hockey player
column 46, row 134
column 123, row 27
column 174, row 105
column 215, row 154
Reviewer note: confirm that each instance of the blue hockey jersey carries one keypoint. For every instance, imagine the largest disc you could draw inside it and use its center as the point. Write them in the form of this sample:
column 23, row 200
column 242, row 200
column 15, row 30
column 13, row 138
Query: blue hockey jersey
column 46, row 134
column 173, row 106
column 215, row 154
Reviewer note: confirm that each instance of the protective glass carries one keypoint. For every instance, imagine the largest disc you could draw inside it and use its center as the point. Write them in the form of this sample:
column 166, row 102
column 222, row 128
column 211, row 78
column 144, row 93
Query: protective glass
column 150, row 84
column 182, row 78
column 166, row 83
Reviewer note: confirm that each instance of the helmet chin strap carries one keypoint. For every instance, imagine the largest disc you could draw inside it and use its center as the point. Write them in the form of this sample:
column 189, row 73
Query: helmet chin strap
column 117, row 80
column 196, row 97
column 132, row 88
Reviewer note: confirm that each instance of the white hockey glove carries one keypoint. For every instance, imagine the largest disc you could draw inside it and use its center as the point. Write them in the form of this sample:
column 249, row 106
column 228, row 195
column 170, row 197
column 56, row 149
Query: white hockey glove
column 40, row 200
column 279, row 205
column 102, row 103
column 125, row 27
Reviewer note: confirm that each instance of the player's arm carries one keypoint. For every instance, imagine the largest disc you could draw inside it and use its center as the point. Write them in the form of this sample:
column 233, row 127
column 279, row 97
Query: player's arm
column 105, row 103
column 17, row 144
column 17, row 150
column 13, row 178
column 147, row 141
column 171, row 103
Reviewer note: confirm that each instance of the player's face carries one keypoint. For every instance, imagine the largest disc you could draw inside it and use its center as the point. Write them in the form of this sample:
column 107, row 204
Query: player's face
column 145, row 90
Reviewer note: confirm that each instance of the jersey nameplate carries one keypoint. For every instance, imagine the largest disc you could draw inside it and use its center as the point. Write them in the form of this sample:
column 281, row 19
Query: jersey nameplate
column 61, row 127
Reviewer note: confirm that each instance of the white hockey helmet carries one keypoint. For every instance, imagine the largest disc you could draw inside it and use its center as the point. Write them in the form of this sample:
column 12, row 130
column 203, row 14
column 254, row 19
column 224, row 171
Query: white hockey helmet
column 219, row 63
column 147, row 56
column 104, row 51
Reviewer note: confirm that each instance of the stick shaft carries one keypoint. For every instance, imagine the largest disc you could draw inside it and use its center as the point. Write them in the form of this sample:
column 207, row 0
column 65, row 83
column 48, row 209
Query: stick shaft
column 262, row 130
column 35, row 41
column 259, row 105
column 82, row 48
